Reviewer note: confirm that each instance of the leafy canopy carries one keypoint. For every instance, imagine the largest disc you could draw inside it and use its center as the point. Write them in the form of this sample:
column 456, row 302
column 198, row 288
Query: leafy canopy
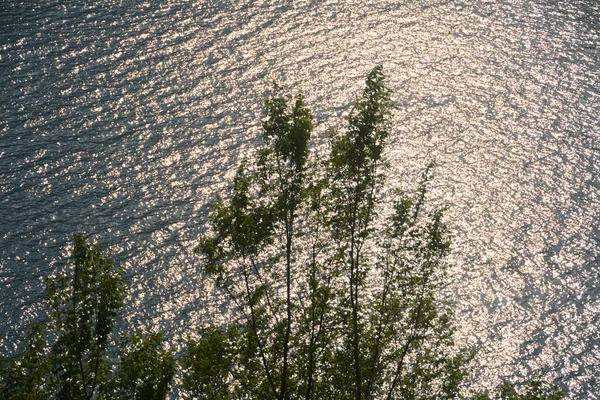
column 67, row 356
column 327, row 301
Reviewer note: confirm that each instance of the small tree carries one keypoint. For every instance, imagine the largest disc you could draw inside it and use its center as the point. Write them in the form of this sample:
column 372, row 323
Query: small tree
column 208, row 363
column 146, row 370
column 251, row 251
column 325, row 305
column 27, row 377
column 68, row 356
column 83, row 311
column 536, row 388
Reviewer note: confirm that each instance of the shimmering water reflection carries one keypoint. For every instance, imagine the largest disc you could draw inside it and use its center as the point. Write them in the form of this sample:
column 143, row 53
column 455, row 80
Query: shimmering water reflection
column 124, row 120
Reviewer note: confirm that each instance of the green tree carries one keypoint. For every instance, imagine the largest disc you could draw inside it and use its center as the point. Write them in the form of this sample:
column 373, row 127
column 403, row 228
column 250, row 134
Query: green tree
column 27, row 377
column 83, row 311
column 536, row 388
column 251, row 250
column 146, row 370
column 326, row 304
column 208, row 362
column 67, row 357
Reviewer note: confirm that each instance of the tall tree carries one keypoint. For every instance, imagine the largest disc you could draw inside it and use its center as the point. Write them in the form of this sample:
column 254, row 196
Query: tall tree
column 250, row 250
column 325, row 304
column 354, row 178
column 282, row 164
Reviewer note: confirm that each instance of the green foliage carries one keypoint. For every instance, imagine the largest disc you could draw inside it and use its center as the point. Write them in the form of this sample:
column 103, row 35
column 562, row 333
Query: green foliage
column 353, row 181
column 146, row 370
column 208, row 362
column 262, row 214
column 83, row 309
column 329, row 299
column 537, row 388
column 287, row 131
column 27, row 377
column 326, row 305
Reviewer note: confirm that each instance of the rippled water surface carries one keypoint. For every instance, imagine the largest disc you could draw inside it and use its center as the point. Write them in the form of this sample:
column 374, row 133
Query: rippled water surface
column 124, row 119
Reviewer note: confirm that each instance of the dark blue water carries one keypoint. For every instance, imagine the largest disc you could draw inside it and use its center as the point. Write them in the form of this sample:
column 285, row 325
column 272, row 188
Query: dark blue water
column 124, row 119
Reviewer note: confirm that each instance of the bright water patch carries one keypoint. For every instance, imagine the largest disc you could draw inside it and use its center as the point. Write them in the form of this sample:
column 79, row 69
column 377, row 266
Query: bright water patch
column 124, row 120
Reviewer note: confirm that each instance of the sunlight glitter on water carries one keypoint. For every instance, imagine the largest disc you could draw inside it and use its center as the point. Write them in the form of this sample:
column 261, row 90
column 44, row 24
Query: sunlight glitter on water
column 124, row 121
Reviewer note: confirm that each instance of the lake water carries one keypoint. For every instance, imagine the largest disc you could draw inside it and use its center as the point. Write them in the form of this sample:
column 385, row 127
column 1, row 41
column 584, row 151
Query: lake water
column 123, row 119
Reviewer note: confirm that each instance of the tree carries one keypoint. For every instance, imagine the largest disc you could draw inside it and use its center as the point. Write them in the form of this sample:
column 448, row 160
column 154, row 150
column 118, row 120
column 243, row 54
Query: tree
column 26, row 377
column 83, row 311
column 146, row 370
column 208, row 362
column 325, row 303
column 67, row 356
column 330, row 297
column 536, row 388
column 353, row 180
column 242, row 230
